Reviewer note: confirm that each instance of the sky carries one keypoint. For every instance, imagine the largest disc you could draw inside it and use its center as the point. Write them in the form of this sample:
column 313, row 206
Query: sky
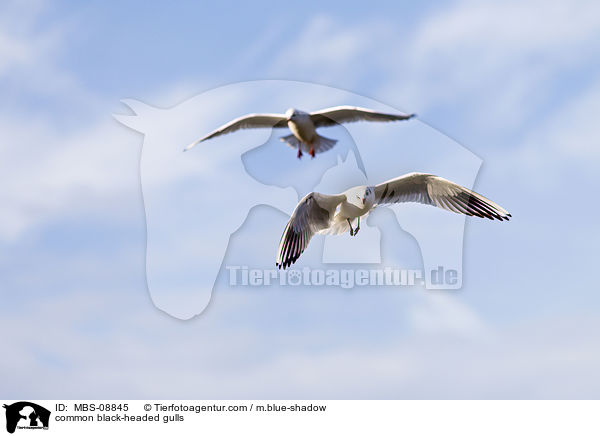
column 517, row 83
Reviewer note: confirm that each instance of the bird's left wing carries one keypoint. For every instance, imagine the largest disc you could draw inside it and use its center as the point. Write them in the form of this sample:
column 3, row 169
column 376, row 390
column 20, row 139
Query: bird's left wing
column 439, row 192
column 307, row 219
column 250, row 121
column 348, row 114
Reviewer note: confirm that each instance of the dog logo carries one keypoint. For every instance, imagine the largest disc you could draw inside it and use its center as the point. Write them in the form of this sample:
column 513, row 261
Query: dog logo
column 26, row 415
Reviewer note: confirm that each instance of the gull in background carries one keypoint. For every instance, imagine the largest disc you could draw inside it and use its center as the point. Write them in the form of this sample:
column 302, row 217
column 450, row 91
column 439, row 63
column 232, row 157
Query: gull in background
column 303, row 125
column 334, row 214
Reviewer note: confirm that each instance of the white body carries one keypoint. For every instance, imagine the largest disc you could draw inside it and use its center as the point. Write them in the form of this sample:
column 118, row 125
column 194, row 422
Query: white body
column 357, row 203
column 304, row 135
column 301, row 126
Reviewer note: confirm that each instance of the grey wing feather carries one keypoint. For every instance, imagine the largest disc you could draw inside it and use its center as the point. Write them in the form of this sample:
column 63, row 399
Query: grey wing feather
column 348, row 114
column 439, row 192
column 307, row 219
column 250, row 121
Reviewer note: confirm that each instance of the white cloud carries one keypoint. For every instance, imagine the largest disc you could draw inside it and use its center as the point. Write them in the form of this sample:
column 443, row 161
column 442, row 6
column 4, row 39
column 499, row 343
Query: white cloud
column 46, row 173
column 30, row 53
column 573, row 130
column 324, row 49
column 506, row 32
column 496, row 60
column 509, row 50
column 115, row 344
column 46, row 169
column 18, row 47
column 441, row 313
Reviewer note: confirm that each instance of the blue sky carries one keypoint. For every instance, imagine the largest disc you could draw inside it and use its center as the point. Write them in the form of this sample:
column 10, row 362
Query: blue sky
column 517, row 83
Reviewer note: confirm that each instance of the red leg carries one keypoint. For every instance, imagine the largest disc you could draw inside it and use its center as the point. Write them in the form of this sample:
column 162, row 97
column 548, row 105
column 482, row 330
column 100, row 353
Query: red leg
column 312, row 151
column 299, row 153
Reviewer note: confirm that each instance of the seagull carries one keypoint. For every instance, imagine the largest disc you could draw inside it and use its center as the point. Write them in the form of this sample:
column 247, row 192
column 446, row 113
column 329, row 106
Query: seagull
column 334, row 214
column 303, row 125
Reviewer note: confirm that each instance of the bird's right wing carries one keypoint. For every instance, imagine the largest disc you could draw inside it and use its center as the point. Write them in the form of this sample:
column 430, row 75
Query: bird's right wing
column 250, row 121
column 436, row 191
column 307, row 219
column 349, row 114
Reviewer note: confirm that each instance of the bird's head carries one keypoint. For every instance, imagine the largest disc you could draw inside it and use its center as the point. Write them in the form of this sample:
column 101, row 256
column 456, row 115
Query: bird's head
column 367, row 195
column 293, row 114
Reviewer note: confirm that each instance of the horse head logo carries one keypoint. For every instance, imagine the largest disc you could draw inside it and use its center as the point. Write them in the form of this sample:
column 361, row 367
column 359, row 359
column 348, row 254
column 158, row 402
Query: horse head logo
column 200, row 204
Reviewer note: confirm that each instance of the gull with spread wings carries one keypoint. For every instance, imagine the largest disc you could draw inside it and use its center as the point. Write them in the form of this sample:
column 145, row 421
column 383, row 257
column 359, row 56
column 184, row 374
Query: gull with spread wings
column 335, row 214
column 303, row 125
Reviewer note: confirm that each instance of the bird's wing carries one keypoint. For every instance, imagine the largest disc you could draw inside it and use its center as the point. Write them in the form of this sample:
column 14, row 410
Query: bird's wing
column 307, row 219
column 250, row 121
column 348, row 114
column 436, row 191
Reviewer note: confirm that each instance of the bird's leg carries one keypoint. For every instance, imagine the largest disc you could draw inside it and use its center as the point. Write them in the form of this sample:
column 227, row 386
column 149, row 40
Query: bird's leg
column 357, row 227
column 312, row 151
column 299, row 151
column 351, row 229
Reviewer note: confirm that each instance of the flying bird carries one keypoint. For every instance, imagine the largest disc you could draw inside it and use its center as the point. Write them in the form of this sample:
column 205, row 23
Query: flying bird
column 335, row 214
column 303, row 125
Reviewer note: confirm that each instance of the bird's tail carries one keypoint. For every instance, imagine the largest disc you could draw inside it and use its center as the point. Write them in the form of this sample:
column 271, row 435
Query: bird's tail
column 320, row 144
column 290, row 140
